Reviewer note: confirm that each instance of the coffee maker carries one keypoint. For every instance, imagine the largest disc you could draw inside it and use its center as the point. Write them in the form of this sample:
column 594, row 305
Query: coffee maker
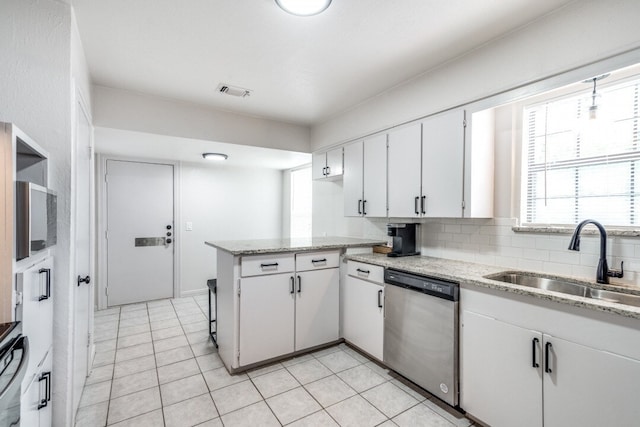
column 404, row 239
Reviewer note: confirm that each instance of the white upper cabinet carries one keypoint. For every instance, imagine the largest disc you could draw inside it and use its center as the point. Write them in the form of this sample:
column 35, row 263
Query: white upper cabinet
column 352, row 184
column 404, row 164
column 436, row 170
column 365, row 177
column 443, row 165
column 327, row 164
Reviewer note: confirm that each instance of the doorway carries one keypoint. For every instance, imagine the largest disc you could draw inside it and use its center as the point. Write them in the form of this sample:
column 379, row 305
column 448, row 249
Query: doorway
column 140, row 234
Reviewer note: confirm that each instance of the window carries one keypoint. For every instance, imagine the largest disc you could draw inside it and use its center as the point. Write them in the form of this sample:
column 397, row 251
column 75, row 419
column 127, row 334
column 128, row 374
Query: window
column 575, row 168
column 301, row 202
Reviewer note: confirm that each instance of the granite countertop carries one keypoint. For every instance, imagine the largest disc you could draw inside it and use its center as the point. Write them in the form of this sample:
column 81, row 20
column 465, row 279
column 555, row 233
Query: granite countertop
column 473, row 274
column 267, row 246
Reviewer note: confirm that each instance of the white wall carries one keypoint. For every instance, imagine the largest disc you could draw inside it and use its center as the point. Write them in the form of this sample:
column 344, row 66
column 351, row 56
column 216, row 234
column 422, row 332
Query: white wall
column 224, row 203
column 35, row 89
column 120, row 109
column 576, row 35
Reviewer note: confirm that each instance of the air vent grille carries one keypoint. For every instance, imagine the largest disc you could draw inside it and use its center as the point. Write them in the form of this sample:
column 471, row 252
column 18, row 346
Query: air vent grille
column 233, row 90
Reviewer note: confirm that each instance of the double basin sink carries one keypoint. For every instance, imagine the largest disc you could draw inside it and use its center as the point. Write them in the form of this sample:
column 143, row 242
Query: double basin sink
column 564, row 287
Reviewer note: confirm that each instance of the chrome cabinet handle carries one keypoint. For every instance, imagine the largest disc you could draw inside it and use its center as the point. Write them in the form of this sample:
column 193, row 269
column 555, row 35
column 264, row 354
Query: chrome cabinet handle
column 380, row 298
column 415, row 205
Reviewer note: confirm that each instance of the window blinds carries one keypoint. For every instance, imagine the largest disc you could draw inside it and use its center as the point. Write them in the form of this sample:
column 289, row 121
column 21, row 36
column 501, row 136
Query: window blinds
column 575, row 168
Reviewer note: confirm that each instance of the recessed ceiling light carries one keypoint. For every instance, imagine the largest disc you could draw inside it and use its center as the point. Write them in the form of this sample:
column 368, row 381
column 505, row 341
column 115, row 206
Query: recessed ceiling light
column 303, row 7
column 215, row 156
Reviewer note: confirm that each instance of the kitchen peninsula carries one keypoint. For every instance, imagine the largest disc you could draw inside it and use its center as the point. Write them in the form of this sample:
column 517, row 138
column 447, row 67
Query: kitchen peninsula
column 277, row 297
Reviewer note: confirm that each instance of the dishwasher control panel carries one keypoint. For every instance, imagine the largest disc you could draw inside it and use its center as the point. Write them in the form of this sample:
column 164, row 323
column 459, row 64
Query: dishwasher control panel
column 428, row 285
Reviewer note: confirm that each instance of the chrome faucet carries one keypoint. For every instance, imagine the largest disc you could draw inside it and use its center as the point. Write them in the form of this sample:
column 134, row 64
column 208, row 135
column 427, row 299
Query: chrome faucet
column 602, row 273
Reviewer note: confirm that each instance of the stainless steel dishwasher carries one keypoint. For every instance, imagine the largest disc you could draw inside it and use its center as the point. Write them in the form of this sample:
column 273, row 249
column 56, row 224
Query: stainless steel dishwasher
column 421, row 332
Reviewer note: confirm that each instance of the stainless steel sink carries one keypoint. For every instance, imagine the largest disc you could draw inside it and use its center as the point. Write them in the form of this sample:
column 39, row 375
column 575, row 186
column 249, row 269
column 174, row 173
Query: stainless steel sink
column 564, row 287
column 547, row 284
column 617, row 297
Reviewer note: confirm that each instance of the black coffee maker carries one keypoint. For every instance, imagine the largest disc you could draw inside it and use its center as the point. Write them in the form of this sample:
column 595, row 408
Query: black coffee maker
column 404, row 239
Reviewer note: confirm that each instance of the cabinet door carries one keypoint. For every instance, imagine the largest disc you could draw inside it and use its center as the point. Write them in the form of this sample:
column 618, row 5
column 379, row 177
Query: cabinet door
column 266, row 317
column 589, row 387
column 443, row 165
column 46, row 387
column 29, row 401
column 334, row 162
column 318, row 165
column 36, row 284
column 404, row 171
column 375, row 176
column 317, row 307
column 499, row 383
column 364, row 315
column 352, row 179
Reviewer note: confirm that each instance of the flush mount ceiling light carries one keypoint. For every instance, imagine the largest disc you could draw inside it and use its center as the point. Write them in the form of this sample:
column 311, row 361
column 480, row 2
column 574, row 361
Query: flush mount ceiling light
column 303, row 7
column 215, row 156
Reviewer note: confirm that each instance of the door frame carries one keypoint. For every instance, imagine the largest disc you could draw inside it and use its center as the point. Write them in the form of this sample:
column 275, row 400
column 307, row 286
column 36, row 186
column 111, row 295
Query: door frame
column 101, row 188
column 79, row 101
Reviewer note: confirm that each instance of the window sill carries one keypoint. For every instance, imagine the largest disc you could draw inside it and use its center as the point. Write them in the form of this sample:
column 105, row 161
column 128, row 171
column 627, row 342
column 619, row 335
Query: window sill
column 558, row 229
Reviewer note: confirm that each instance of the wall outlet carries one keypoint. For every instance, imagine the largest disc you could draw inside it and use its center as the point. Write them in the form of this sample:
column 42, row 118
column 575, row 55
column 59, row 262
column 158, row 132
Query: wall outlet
column 189, row 226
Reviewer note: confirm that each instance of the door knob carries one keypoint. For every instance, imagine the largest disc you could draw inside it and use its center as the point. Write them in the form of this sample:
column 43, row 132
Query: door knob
column 82, row 280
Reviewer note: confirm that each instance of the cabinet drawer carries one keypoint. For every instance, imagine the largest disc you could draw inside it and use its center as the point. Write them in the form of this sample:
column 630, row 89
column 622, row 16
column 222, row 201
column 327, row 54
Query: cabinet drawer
column 256, row 265
column 317, row 260
column 374, row 273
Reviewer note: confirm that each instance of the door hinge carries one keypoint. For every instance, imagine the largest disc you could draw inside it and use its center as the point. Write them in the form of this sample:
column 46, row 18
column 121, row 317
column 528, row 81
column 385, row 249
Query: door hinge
column 106, row 290
column 463, row 204
column 88, row 339
column 464, row 123
column 106, row 178
column 238, row 356
column 106, row 234
column 238, row 287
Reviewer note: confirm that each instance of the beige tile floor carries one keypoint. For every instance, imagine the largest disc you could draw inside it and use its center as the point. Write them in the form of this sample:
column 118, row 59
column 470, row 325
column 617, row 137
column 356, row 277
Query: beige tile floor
column 155, row 366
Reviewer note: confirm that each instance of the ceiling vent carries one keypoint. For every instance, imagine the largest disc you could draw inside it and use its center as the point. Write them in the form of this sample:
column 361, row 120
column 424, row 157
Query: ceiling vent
column 233, row 90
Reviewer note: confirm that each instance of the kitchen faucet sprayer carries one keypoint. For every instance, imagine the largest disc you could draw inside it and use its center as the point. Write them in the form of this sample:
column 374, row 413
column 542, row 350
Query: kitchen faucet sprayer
column 602, row 272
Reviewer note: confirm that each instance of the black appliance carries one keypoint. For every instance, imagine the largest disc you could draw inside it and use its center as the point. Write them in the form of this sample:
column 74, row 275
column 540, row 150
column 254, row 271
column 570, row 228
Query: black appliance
column 404, row 239
column 14, row 357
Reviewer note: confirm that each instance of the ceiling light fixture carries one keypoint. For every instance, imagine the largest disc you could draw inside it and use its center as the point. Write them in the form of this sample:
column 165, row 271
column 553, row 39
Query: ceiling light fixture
column 593, row 108
column 215, row 156
column 303, row 7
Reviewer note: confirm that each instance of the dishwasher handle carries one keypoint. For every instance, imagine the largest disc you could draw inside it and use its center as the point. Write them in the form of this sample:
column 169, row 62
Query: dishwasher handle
column 380, row 298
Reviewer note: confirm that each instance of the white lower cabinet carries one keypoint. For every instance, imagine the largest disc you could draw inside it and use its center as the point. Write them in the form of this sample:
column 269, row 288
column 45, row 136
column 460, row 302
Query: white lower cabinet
column 513, row 375
column 290, row 311
column 589, row 387
column 35, row 405
column 501, row 386
column 267, row 306
column 317, row 304
column 363, row 308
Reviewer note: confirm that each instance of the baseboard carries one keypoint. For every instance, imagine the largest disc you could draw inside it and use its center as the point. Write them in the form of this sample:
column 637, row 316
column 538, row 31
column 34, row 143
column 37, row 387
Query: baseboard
column 194, row 292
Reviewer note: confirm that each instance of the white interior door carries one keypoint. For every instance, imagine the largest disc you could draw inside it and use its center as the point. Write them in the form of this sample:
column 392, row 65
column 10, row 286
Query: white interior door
column 140, row 231
column 83, row 292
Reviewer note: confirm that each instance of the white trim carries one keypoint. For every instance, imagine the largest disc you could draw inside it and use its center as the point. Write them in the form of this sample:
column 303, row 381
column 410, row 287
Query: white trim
column 102, row 226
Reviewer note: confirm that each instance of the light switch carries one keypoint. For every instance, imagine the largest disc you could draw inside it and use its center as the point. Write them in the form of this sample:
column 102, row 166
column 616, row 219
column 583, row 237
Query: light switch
column 189, row 226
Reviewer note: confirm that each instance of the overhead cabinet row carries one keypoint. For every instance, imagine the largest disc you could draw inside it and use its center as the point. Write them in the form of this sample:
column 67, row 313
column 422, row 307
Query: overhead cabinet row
column 438, row 167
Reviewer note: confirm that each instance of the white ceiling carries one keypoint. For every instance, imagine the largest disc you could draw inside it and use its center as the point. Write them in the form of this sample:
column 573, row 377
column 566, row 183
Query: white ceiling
column 161, row 147
column 301, row 69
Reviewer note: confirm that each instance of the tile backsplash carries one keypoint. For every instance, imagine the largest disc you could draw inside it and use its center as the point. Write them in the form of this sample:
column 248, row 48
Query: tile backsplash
column 493, row 242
